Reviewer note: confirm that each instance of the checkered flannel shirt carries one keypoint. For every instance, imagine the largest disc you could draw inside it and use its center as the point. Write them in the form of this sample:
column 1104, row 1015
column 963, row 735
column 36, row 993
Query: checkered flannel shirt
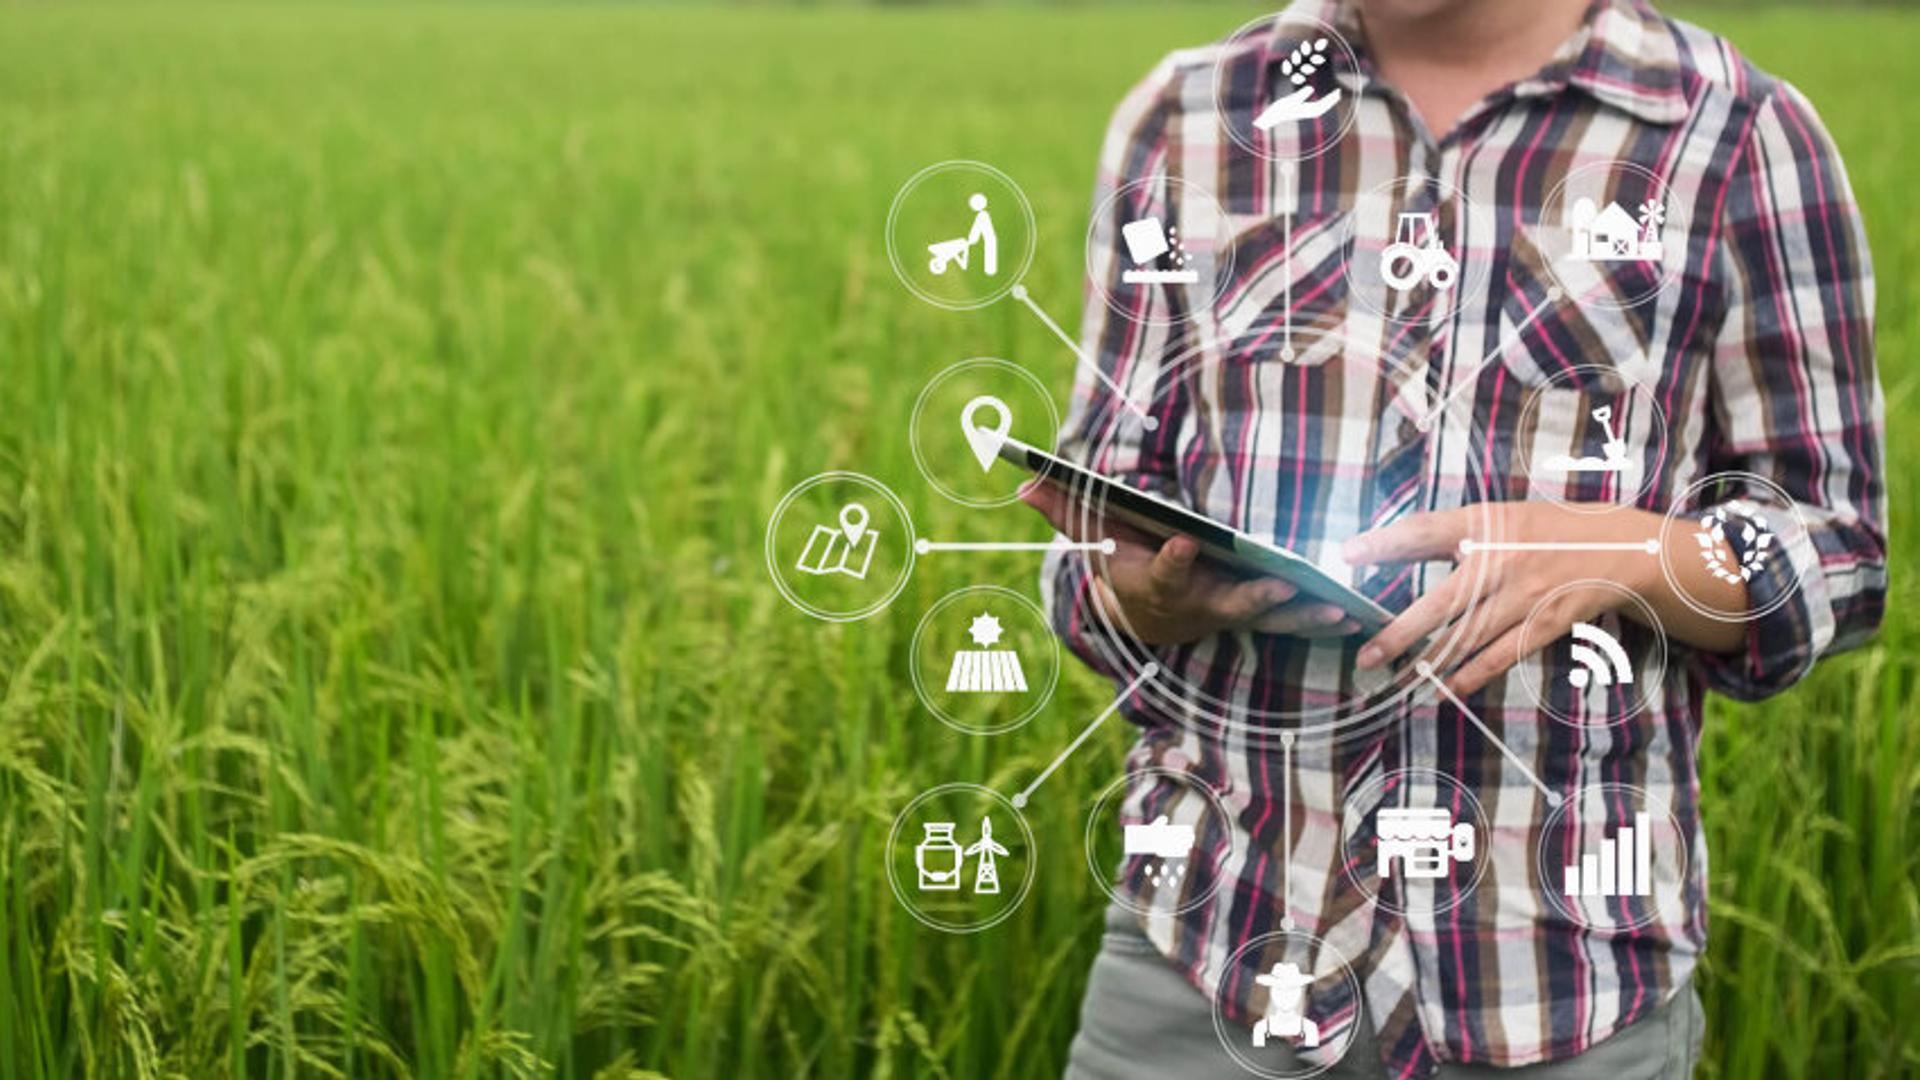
column 1759, row 354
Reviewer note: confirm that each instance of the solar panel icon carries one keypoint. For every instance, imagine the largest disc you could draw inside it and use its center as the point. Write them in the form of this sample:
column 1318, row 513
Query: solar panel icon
column 986, row 670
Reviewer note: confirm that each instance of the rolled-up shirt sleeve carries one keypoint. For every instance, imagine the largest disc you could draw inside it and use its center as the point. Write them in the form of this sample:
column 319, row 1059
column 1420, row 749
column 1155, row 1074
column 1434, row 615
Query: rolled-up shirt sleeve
column 1796, row 401
column 1129, row 348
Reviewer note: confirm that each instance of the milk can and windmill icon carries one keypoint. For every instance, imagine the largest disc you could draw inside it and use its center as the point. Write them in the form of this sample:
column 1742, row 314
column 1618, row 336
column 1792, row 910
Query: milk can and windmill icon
column 939, row 858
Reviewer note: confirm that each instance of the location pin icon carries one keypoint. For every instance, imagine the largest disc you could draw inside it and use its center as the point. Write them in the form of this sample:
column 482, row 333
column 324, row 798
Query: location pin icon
column 853, row 521
column 986, row 442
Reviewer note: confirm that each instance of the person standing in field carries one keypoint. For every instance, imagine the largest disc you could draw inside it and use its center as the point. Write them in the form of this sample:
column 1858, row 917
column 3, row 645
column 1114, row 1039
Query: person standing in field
column 1759, row 352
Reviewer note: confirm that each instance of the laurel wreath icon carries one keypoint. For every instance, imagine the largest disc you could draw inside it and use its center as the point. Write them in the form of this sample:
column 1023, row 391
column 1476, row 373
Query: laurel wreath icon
column 1755, row 542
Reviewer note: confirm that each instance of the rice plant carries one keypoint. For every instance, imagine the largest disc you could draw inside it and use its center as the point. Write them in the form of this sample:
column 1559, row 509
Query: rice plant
column 391, row 401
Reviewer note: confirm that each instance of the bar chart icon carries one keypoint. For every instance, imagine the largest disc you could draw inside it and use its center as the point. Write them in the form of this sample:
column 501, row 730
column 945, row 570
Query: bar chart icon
column 1622, row 867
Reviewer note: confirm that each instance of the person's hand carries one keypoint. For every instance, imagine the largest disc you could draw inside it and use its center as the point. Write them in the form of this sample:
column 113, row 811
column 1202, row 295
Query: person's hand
column 1511, row 583
column 1165, row 595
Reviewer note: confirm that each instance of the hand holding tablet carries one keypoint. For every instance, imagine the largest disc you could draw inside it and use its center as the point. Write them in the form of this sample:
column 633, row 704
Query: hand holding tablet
column 1169, row 594
column 1184, row 575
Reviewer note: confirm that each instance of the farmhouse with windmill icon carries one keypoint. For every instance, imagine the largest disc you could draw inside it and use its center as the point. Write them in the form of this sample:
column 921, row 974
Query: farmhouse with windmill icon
column 1611, row 234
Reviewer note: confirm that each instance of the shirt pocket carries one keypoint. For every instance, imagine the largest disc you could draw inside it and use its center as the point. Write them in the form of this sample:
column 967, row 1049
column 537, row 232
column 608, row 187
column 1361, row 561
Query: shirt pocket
column 1572, row 409
column 1287, row 299
column 1286, row 409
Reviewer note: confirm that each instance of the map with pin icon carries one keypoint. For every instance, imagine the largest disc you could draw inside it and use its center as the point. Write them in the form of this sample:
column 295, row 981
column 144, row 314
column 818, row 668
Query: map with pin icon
column 847, row 549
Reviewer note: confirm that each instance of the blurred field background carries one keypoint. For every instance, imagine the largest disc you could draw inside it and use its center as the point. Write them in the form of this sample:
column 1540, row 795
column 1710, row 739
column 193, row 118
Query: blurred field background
column 391, row 401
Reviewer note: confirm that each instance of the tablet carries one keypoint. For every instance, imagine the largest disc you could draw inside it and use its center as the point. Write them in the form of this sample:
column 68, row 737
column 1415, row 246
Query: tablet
column 1222, row 544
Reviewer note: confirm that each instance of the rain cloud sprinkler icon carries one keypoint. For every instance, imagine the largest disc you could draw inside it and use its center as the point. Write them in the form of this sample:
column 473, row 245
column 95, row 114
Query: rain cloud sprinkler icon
column 1167, row 843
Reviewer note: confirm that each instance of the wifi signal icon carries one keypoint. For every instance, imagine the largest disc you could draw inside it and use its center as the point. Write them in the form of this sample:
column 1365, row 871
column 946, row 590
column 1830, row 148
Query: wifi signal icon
column 1598, row 658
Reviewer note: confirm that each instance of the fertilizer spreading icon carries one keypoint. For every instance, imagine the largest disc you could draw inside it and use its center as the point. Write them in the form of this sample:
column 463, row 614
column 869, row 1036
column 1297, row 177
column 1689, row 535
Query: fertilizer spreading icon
column 1599, row 659
column 1158, row 254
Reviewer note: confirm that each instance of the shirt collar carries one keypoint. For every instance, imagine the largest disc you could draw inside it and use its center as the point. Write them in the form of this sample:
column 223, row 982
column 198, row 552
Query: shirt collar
column 1624, row 55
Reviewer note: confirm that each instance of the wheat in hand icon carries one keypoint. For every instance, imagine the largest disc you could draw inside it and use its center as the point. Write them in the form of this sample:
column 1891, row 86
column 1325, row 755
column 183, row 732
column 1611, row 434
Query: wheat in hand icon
column 1301, row 65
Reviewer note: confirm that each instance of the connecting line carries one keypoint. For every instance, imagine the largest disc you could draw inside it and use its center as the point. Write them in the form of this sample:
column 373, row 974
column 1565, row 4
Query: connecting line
column 1425, row 670
column 1287, row 196
column 1426, row 422
column 1651, row 547
column 1148, row 672
column 1286, row 812
column 1104, row 547
column 1146, row 419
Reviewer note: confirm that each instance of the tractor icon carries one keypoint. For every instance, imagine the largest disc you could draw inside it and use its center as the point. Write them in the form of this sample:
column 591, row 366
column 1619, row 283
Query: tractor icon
column 1416, row 252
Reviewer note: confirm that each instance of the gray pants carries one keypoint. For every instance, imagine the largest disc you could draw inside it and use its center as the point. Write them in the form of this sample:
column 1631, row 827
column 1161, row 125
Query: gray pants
column 1141, row 1019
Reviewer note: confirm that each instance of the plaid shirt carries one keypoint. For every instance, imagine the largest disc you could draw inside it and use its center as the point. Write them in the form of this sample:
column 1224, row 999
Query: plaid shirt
column 1758, row 353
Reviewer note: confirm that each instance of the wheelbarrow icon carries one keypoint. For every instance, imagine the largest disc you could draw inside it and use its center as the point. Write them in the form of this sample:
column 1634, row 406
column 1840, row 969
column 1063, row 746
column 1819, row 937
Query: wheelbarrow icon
column 960, row 250
column 948, row 251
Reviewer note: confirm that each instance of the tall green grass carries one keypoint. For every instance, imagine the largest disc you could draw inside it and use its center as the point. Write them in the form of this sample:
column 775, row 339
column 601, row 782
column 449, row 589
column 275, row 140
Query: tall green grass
column 390, row 405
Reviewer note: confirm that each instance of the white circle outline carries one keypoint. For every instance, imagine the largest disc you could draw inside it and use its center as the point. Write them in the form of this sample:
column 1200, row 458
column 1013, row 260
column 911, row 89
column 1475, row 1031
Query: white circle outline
column 1545, row 866
column 1013, row 277
column 1632, row 384
column 1482, row 822
column 1193, row 783
column 1675, row 511
column 1220, row 1023
column 1040, row 700
column 1476, row 283
column 919, row 406
column 1647, row 687
column 1556, row 199
column 1349, row 110
column 1364, row 713
column 1026, row 880
column 773, row 562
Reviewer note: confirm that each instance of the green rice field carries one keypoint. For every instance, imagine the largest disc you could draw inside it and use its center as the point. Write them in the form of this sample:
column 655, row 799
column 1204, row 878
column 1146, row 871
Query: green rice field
column 392, row 399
